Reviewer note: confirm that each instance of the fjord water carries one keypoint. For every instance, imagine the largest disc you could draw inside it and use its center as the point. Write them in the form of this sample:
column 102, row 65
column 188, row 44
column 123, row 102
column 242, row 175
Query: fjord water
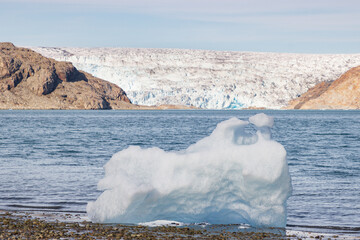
column 53, row 160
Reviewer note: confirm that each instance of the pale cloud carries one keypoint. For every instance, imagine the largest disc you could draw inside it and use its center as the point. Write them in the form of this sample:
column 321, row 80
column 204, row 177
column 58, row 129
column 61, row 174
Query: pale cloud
column 193, row 23
column 297, row 13
column 212, row 6
column 219, row 10
column 328, row 21
column 301, row 14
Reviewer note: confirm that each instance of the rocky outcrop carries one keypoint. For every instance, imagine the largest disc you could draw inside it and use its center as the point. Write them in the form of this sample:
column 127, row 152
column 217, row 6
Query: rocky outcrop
column 343, row 93
column 30, row 81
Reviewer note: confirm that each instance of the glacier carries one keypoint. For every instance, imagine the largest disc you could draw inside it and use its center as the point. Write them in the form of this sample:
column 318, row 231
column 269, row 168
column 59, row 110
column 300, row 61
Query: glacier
column 233, row 176
column 207, row 79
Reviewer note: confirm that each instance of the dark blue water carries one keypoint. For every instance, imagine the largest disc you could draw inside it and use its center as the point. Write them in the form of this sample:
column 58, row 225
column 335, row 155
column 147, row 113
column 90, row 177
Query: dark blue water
column 52, row 160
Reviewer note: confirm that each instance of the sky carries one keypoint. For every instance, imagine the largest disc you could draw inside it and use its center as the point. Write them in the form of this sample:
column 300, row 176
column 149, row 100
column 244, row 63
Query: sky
column 297, row 26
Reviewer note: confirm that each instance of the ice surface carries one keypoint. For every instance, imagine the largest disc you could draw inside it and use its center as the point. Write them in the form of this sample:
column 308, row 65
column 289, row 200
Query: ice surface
column 207, row 79
column 228, row 177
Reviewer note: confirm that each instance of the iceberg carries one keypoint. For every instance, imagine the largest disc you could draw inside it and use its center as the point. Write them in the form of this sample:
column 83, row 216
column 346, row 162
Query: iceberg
column 233, row 176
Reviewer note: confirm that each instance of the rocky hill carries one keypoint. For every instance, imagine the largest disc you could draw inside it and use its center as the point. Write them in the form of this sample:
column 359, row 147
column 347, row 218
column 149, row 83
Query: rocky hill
column 343, row 93
column 30, row 81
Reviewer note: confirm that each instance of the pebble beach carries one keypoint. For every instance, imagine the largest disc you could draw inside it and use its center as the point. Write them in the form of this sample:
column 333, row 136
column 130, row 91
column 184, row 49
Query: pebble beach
column 43, row 225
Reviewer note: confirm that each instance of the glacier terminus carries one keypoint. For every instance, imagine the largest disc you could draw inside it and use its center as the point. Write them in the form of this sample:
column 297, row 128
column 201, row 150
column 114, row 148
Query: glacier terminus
column 207, row 79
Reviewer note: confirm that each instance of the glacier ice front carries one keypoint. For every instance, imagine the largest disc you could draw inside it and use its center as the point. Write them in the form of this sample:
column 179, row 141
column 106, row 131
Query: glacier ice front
column 231, row 176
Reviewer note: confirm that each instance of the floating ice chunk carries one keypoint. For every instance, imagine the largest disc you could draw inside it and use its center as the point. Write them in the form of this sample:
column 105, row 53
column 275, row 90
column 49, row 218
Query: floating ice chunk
column 158, row 223
column 244, row 226
column 228, row 177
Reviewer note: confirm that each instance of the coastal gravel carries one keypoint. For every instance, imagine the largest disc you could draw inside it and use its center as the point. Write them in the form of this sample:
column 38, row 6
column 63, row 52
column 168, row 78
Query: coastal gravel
column 25, row 225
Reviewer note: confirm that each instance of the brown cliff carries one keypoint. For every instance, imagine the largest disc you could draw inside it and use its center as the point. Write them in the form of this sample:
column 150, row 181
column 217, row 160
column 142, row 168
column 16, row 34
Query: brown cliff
column 343, row 93
column 30, row 81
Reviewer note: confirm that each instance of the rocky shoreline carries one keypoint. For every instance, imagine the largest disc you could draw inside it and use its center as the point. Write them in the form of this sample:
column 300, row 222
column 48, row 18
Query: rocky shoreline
column 17, row 225
column 50, row 225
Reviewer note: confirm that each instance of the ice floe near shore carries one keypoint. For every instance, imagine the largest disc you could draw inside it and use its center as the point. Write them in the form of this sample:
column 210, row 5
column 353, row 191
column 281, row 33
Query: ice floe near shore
column 231, row 176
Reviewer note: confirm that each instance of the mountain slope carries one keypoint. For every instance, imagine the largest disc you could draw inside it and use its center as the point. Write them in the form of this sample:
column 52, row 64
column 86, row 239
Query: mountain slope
column 343, row 93
column 207, row 79
column 31, row 81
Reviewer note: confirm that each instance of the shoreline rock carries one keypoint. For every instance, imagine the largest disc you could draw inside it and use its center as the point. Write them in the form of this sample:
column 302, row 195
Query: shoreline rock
column 25, row 226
